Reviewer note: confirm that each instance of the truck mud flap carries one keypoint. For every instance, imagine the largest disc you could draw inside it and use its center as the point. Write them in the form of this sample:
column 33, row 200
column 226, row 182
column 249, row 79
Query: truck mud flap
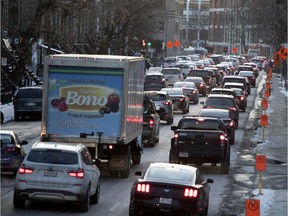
column 120, row 158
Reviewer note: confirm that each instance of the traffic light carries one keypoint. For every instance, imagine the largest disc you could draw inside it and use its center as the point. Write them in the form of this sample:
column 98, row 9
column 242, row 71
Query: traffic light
column 143, row 43
column 149, row 44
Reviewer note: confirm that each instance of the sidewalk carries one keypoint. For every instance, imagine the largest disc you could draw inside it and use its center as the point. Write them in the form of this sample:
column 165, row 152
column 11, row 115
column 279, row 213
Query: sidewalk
column 273, row 143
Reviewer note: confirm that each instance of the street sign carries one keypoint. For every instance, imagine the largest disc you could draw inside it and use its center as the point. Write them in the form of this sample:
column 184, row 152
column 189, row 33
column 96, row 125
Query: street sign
column 177, row 43
column 283, row 53
column 264, row 120
column 252, row 207
column 234, row 50
column 261, row 162
column 169, row 44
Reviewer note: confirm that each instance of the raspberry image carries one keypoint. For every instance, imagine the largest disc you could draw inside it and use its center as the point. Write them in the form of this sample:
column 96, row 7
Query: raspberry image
column 55, row 102
column 62, row 107
column 115, row 108
column 113, row 99
column 108, row 109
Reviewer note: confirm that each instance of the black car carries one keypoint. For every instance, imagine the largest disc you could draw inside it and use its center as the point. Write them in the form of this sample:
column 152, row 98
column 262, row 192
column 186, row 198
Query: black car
column 179, row 99
column 170, row 188
column 12, row 152
column 226, row 117
column 220, row 101
column 162, row 100
column 27, row 101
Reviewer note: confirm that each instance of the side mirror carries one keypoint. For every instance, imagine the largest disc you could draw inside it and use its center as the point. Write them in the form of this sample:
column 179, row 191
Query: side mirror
column 138, row 173
column 174, row 127
column 210, row 180
column 202, row 102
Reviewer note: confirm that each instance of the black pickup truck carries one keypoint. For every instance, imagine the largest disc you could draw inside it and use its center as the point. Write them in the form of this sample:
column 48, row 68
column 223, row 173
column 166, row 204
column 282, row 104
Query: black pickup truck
column 199, row 140
column 151, row 122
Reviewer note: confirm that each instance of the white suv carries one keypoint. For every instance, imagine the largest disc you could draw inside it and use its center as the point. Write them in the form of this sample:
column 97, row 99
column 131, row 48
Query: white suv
column 56, row 171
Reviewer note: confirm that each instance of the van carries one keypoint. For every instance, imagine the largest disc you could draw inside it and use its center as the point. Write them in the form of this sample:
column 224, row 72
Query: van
column 27, row 101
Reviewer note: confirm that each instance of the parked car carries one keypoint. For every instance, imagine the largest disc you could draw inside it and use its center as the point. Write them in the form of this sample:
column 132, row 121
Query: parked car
column 227, row 119
column 172, row 75
column 250, row 76
column 223, row 102
column 179, row 99
column 200, row 84
column 241, row 98
column 27, row 101
column 171, row 188
column 154, row 81
column 161, row 99
column 53, row 171
column 12, row 152
column 190, row 90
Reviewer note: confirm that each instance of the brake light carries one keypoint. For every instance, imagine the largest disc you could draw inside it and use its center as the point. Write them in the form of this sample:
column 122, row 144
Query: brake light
column 182, row 99
column 176, row 135
column 222, row 137
column 25, row 170
column 166, row 102
column 194, row 92
column 241, row 98
column 232, row 108
column 201, row 84
column 76, row 173
column 10, row 149
column 151, row 123
column 189, row 192
column 143, row 188
column 231, row 123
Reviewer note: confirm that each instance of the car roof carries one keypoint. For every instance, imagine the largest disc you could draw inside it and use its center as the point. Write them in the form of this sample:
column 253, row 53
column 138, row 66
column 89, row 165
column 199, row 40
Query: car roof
column 172, row 165
column 221, row 89
column 246, row 73
column 57, row 145
column 220, row 95
column 234, row 83
column 30, row 87
column 214, row 110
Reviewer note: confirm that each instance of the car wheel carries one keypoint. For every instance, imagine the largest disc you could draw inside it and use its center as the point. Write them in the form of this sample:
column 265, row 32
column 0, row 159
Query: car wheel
column 170, row 121
column 196, row 102
column 236, row 123
column 224, row 169
column 16, row 117
column 85, row 204
column 134, row 212
column 95, row 197
column 18, row 201
column 184, row 111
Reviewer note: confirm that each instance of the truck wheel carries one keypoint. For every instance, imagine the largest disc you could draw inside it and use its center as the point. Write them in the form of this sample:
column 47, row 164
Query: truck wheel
column 16, row 117
column 173, row 158
column 184, row 111
column 136, row 158
column 18, row 202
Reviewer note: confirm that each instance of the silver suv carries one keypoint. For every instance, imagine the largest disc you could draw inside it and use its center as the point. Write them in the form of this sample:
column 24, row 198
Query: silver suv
column 55, row 171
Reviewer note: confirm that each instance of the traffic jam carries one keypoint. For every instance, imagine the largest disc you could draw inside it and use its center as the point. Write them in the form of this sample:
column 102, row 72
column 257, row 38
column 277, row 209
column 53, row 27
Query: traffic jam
column 52, row 171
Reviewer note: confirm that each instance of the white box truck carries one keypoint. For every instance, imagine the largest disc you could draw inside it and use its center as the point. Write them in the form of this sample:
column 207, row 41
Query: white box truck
column 96, row 100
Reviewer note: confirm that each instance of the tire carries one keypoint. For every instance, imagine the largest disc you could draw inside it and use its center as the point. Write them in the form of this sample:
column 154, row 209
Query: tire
column 224, row 169
column 136, row 158
column 236, row 124
column 196, row 102
column 95, row 197
column 16, row 117
column 18, row 202
column 170, row 121
column 85, row 204
column 134, row 212
column 184, row 111
column 231, row 141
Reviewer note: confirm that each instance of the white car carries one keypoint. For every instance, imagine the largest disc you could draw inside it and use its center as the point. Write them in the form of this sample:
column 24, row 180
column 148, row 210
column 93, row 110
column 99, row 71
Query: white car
column 56, row 171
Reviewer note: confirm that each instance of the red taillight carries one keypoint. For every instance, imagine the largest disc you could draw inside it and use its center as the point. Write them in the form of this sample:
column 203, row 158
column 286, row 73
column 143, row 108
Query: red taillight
column 25, row 170
column 231, row 123
column 182, row 99
column 176, row 135
column 194, row 92
column 151, row 123
column 166, row 102
column 189, row 192
column 201, row 84
column 241, row 98
column 10, row 148
column 232, row 108
column 222, row 137
column 145, row 188
column 76, row 173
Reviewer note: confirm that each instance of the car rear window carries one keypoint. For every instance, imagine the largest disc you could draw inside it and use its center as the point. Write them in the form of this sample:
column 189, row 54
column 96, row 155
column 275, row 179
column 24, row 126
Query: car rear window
column 207, row 124
column 199, row 73
column 154, row 77
column 229, row 102
column 170, row 71
column 52, row 156
column 6, row 139
column 29, row 93
column 158, row 97
column 235, row 80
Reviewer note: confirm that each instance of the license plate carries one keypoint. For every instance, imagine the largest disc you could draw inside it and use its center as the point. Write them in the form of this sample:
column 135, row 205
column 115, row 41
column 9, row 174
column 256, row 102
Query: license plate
column 30, row 104
column 165, row 200
column 50, row 173
column 183, row 154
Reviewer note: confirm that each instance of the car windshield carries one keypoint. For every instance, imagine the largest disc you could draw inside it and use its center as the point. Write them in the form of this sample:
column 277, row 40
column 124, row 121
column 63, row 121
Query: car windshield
column 153, row 77
column 52, row 156
column 170, row 174
column 30, row 93
column 214, row 114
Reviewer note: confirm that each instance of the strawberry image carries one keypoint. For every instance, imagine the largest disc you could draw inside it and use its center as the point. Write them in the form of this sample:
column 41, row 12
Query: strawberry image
column 62, row 107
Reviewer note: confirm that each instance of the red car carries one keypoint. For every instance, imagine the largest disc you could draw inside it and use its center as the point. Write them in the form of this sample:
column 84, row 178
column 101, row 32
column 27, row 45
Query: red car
column 241, row 99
